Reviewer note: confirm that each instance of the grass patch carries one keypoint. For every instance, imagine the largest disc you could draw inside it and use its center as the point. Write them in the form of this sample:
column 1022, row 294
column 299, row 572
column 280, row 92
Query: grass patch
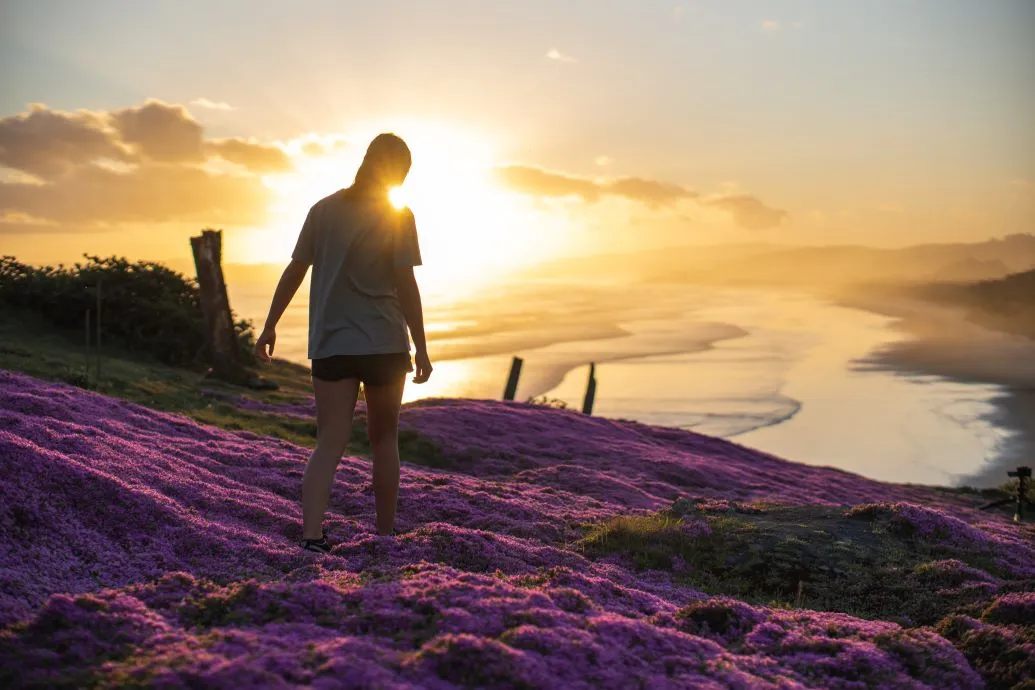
column 802, row 557
column 1002, row 654
column 32, row 347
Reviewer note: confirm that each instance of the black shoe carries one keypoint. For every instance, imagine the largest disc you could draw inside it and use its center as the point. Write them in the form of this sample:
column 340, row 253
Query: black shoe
column 319, row 545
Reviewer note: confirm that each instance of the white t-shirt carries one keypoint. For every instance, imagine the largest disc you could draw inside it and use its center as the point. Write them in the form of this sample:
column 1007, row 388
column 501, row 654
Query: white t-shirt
column 355, row 246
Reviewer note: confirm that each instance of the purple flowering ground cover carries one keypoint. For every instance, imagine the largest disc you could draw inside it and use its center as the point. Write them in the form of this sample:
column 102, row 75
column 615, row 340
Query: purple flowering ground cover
column 541, row 548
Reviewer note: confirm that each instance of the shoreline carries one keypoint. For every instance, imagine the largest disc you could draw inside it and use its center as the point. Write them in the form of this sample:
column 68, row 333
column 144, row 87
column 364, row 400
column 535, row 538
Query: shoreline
column 935, row 341
column 941, row 341
column 553, row 374
column 775, row 421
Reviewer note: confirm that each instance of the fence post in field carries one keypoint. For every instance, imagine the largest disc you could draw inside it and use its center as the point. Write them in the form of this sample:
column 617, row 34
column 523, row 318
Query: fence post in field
column 591, row 390
column 86, row 363
column 98, row 380
column 512, row 381
column 220, row 340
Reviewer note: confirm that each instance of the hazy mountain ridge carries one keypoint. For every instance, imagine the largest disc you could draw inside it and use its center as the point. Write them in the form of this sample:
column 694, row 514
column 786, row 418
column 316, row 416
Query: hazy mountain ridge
column 1007, row 304
column 971, row 269
column 765, row 264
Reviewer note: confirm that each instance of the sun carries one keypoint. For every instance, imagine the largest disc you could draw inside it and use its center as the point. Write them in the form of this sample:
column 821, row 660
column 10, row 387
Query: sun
column 471, row 231
column 397, row 195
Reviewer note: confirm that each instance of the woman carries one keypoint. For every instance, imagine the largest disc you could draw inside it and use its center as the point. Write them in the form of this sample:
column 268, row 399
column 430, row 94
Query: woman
column 363, row 295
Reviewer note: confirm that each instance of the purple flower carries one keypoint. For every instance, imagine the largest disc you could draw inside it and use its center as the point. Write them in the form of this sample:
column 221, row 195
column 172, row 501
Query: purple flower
column 143, row 548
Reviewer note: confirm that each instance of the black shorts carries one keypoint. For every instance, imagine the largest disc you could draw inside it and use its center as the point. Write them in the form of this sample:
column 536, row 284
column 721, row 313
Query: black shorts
column 371, row 370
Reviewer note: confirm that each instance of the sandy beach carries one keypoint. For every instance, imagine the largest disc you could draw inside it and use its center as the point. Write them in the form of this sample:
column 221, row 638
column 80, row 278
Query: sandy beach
column 941, row 341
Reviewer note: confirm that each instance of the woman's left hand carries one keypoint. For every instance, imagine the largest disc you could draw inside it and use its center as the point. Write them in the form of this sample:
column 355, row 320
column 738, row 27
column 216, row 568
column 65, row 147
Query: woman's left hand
column 423, row 363
column 264, row 345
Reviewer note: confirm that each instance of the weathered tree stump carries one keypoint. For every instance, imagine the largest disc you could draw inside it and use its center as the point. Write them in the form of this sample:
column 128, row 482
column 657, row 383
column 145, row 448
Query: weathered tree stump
column 220, row 339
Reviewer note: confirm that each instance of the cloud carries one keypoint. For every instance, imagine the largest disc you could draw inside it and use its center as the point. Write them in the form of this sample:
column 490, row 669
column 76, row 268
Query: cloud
column 557, row 55
column 13, row 223
column 539, row 182
column 212, row 105
column 256, row 157
column 48, row 143
column 650, row 192
column 321, row 147
column 95, row 170
column 152, row 192
column 773, row 26
column 748, row 212
column 21, row 224
column 161, row 132
column 603, row 161
column 745, row 210
column 22, row 227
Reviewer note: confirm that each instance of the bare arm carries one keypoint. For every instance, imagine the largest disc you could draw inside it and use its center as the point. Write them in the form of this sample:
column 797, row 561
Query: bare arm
column 412, row 309
column 413, row 312
column 290, row 279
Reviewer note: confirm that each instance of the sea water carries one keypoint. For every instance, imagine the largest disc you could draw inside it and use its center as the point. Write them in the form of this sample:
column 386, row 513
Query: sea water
column 772, row 370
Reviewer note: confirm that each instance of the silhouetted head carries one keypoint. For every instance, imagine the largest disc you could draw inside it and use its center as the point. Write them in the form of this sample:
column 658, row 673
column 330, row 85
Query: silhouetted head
column 386, row 163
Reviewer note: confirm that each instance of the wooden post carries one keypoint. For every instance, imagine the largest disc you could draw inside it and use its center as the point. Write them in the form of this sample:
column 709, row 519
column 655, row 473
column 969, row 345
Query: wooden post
column 98, row 329
column 220, row 340
column 591, row 390
column 512, row 382
column 86, row 359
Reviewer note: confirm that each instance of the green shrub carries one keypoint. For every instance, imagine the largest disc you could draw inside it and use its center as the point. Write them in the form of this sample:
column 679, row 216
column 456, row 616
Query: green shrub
column 146, row 308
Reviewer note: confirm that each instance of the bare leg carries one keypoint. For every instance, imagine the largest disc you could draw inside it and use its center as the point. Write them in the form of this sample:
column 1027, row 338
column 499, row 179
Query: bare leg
column 383, row 403
column 335, row 403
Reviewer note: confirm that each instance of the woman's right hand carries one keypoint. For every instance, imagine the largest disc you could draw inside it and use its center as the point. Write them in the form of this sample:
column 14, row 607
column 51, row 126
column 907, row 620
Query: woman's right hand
column 264, row 345
column 423, row 364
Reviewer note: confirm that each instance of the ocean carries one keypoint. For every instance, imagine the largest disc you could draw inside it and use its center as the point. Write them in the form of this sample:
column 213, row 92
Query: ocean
column 779, row 372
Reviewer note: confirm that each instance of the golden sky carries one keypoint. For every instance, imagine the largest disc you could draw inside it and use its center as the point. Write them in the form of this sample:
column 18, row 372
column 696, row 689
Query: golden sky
column 537, row 131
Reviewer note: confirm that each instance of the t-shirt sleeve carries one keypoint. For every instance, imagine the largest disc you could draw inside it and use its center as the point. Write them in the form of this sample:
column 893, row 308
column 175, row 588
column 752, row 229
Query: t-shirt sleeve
column 407, row 248
column 306, row 243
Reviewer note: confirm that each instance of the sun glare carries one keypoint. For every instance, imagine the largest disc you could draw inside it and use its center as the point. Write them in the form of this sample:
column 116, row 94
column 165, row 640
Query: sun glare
column 471, row 231
column 397, row 196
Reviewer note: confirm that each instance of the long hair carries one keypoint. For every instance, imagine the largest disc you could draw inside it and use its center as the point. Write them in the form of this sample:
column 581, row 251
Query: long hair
column 386, row 162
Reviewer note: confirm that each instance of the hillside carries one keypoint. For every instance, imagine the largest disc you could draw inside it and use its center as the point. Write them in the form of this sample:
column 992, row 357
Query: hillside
column 762, row 264
column 970, row 270
column 541, row 548
column 1006, row 304
column 847, row 264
